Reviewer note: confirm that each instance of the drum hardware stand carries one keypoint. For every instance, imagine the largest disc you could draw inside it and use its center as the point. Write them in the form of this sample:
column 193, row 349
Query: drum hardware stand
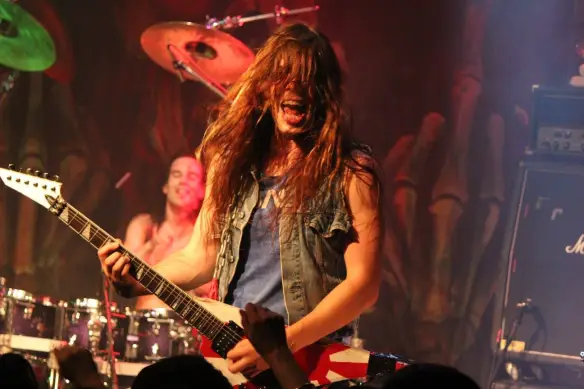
column 2, row 286
column 180, row 67
column 279, row 13
column 5, row 313
column 111, row 357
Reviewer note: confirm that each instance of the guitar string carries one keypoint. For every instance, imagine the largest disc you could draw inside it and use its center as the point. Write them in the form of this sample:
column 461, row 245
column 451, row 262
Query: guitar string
column 177, row 292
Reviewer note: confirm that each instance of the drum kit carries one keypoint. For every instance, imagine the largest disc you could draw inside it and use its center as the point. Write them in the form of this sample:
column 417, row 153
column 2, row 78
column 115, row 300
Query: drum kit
column 34, row 326
column 122, row 341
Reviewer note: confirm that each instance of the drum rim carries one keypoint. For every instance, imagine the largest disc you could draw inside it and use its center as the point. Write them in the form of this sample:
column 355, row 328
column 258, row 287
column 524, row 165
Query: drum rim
column 79, row 303
column 32, row 298
column 163, row 313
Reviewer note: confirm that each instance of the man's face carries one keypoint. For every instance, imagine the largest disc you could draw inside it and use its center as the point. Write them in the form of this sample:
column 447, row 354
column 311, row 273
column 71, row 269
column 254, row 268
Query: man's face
column 290, row 111
column 185, row 187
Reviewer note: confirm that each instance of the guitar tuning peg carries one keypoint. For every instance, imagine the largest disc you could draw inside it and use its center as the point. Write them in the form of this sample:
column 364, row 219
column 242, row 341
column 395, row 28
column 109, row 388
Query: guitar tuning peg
column 46, row 175
column 28, row 171
column 37, row 173
column 56, row 178
column 11, row 166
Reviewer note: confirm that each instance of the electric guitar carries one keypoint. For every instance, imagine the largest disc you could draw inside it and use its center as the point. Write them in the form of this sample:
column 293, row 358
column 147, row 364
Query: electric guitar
column 219, row 323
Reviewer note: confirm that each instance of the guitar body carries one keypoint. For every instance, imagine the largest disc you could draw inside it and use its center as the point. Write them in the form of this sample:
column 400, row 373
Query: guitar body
column 218, row 323
column 324, row 363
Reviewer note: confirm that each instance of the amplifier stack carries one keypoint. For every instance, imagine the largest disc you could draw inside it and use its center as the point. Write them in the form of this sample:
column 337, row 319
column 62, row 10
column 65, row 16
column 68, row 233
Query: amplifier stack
column 540, row 334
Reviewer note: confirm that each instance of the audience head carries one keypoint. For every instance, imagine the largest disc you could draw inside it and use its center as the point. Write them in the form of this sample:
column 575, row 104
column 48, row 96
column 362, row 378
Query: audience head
column 425, row 375
column 181, row 372
column 16, row 372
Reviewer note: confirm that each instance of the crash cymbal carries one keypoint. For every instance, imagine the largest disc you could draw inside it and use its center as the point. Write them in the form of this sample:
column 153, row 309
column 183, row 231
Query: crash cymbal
column 24, row 44
column 218, row 55
column 63, row 70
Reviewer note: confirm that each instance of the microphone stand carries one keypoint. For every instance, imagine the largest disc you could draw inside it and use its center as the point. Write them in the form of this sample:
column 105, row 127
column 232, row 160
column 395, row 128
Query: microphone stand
column 500, row 356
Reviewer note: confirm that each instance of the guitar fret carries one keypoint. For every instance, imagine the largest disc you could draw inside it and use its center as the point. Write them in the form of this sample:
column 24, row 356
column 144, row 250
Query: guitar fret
column 64, row 216
column 148, row 279
column 178, row 307
column 204, row 323
column 166, row 294
column 139, row 272
column 83, row 231
column 178, row 301
column 95, row 229
column 213, row 331
column 175, row 304
column 202, row 318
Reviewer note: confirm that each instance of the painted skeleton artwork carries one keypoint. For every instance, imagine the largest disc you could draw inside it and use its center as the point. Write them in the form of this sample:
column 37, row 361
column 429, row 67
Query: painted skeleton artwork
column 426, row 277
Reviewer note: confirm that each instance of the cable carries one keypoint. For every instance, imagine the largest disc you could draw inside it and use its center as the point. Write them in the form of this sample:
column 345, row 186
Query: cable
column 113, row 377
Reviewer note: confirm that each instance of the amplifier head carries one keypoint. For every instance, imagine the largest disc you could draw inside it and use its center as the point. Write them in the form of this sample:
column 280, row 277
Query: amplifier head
column 558, row 121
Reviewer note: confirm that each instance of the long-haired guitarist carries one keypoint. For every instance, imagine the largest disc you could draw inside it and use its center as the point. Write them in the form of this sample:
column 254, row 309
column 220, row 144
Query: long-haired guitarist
column 155, row 236
column 292, row 215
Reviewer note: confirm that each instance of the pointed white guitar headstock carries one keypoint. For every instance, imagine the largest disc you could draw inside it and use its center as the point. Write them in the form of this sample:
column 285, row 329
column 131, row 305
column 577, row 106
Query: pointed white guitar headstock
column 37, row 186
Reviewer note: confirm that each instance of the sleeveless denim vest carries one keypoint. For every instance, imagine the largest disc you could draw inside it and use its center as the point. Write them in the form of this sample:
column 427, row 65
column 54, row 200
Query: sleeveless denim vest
column 311, row 250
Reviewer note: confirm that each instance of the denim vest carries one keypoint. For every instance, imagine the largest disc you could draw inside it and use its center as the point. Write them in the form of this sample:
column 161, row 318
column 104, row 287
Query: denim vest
column 311, row 250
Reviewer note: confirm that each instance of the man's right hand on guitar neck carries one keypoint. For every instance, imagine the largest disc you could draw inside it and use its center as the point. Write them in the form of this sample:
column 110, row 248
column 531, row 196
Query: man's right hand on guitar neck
column 117, row 269
column 186, row 268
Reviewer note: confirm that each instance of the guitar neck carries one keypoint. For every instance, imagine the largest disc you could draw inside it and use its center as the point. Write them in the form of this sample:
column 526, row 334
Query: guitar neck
column 173, row 296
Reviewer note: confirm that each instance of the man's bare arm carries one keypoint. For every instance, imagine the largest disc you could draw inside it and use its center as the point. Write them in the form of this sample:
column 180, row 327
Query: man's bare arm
column 360, row 289
column 193, row 265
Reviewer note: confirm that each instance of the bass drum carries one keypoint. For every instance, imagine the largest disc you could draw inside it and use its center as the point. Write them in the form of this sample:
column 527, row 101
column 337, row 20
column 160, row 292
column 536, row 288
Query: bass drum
column 159, row 333
column 86, row 327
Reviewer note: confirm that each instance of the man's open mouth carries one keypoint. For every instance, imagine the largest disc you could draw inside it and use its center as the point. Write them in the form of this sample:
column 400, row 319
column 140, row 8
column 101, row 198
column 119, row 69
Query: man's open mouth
column 294, row 112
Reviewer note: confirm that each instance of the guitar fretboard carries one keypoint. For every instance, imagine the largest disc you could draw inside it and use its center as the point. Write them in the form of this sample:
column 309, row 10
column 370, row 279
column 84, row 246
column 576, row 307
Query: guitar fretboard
column 180, row 301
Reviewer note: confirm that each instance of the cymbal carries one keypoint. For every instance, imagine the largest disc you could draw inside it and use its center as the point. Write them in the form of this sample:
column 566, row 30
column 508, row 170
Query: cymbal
column 24, row 44
column 218, row 55
column 63, row 70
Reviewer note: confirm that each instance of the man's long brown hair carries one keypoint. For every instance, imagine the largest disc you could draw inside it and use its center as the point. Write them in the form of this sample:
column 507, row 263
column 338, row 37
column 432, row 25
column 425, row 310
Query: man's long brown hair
column 239, row 138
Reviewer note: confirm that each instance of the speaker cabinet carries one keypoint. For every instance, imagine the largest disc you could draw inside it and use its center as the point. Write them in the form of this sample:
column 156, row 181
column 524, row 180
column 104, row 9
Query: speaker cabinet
column 545, row 252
